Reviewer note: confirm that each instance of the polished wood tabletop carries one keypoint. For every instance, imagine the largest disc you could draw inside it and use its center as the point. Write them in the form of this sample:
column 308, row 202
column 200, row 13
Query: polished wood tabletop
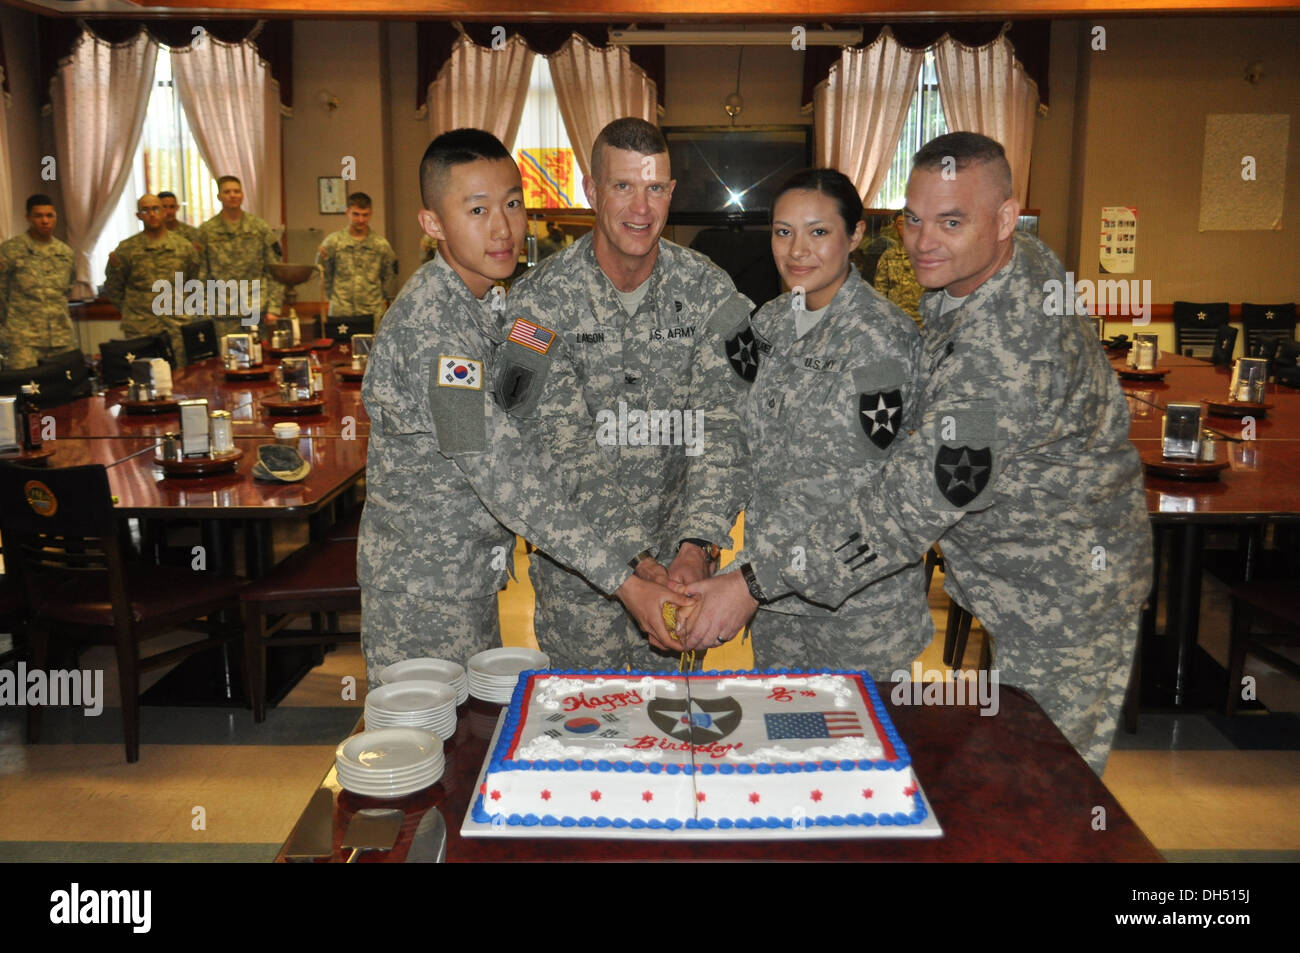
column 1004, row 788
column 105, row 416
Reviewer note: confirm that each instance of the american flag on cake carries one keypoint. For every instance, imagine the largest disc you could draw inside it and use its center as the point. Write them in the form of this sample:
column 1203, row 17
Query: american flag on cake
column 812, row 724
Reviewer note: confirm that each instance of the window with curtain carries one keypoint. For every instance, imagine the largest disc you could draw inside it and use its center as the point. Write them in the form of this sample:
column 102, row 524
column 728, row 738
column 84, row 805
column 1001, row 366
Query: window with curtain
column 552, row 178
column 924, row 121
column 167, row 160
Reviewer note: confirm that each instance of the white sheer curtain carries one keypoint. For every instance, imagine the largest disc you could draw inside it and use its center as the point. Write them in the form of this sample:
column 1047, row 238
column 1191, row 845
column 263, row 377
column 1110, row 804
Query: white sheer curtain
column 985, row 90
column 482, row 89
column 6, row 174
column 594, row 87
column 233, row 108
column 100, row 94
column 860, row 109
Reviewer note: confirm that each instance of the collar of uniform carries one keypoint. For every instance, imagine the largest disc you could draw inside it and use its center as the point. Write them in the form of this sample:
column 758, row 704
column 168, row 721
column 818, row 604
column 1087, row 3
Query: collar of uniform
column 779, row 328
column 611, row 293
column 464, row 299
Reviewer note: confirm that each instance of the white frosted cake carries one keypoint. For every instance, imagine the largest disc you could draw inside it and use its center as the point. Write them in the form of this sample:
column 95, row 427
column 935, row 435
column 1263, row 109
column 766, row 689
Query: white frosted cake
column 744, row 750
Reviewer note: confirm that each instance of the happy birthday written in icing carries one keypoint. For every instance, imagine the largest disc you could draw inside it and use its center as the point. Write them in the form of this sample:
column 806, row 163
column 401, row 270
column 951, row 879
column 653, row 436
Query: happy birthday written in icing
column 604, row 702
column 713, row 749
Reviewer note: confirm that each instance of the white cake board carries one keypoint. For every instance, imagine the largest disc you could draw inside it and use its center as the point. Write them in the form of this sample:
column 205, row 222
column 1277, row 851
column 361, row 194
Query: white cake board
column 929, row 828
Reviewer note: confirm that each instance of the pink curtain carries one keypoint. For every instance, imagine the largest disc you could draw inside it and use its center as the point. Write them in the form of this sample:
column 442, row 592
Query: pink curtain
column 233, row 108
column 594, row 86
column 482, row 88
column 6, row 174
column 985, row 90
column 100, row 95
column 860, row 109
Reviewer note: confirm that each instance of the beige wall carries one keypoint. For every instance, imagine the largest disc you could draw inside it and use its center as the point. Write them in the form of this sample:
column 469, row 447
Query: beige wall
column 31, row 137
column 409, row 136
column 342, row 58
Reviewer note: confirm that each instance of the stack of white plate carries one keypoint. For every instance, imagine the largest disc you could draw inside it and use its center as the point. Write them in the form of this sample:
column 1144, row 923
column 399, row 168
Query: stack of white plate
column 493, row 674
column 389, row 762
column 428, row 670
column 414, row 704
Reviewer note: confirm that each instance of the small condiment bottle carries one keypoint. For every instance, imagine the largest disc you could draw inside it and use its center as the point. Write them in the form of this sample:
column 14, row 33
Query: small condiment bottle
column 223, row 434
column 29, row 418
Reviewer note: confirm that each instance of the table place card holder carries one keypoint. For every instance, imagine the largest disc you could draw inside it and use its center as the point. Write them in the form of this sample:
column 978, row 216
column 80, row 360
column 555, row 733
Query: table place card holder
column 296, row 328
column 1181, row 431
column 237, row 351
column 141, row 386
column 194, row 428
column 295, row 378
column 361, row 345
column 1145, row 352
column 1249, row 375
column 8, row 424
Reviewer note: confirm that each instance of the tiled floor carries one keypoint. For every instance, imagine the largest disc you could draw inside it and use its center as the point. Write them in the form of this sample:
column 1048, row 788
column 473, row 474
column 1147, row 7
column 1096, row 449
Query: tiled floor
column 213, row 786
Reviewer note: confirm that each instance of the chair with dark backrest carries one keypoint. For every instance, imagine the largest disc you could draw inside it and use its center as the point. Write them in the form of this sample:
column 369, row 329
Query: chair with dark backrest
column 63, row 540
column 1225, row 342
column 319, row 578
column 60, row 379
column 1287, row 364
column 1265, row 347
column 342, row 327
column 1272, row 322
column 1276, row 604
column 200, row 339
column 116, row 356
column 1195, row 325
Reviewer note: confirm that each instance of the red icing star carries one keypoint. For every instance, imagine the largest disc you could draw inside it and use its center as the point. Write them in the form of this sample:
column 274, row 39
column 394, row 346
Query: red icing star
column 699, row 796
column 816, row 795
column 753, row 798
column 647, row 796
column 546, row 795
column 595, row 795
column 482, row 788
column 496, row 795
column 910, row 790
column 867, row 792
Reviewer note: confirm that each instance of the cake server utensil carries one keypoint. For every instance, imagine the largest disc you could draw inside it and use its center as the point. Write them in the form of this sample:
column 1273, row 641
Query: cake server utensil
column 314, row 836
column 372, row 828
column 429, row 842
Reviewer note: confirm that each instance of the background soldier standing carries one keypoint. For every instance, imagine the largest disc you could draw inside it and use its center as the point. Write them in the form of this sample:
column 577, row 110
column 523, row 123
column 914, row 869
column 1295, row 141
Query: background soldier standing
column 185, row 230
column 36, row 275
column 238, row 246
column 137, row 263
column 358, row 267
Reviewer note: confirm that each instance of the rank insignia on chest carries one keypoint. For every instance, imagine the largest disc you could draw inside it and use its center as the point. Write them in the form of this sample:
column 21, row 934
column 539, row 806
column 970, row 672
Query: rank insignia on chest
column 460, row 372
column 880, row 415
column 532, row 336
column 742, row 353
column 962, row 472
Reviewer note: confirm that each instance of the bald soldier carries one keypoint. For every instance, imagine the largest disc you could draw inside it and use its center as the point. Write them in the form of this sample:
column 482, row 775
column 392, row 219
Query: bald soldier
column 36, row 274
column 238, row 246
column 1020, row 465
column 137, row 263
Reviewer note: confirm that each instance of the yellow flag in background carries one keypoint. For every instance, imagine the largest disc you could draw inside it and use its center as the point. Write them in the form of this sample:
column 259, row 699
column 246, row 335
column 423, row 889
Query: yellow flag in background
column 548, row 177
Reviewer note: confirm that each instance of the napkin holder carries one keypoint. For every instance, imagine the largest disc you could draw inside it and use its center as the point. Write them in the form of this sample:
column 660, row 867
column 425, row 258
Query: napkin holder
column 295, row 379
column 195, row 435
column 1181, row 432
column 237, row 351
column 1249, row 377
column 361, row 346
column 1145, row 352
column 8, row 424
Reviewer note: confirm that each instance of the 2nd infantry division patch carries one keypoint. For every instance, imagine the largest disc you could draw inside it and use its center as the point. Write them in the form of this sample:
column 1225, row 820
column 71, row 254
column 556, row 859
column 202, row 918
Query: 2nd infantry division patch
column 460, row 372
column 962, row 472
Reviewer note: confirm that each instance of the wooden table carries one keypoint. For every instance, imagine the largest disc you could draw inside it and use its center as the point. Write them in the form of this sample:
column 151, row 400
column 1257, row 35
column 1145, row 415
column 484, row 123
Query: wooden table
column 1004, row 788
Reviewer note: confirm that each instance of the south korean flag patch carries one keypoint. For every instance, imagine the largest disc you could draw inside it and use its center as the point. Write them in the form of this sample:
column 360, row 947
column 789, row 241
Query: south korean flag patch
column 460, row 372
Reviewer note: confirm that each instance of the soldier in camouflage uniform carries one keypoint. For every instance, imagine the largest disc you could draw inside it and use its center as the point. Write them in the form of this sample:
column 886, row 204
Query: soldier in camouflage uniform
column 897, row 282
column 137, row 263
column 649, row 325
column 358, row 267
column 171, row 206
column 238, row 246
column 36, row 275
column 1020, row 463
column 431, row 557
column 835, row 388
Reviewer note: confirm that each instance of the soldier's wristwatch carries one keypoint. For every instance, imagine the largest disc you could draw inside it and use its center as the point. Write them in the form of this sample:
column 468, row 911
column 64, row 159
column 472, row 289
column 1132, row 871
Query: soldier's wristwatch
column 711, row 550
column 751, row 581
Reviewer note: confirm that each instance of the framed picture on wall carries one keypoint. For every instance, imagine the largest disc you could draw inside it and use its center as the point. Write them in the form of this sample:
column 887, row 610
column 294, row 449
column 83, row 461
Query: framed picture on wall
column 332, row 194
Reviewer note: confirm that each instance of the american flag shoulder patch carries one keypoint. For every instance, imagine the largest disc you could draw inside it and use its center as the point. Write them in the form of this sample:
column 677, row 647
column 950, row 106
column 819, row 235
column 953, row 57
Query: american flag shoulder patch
column 532, row 336
column 460, row 372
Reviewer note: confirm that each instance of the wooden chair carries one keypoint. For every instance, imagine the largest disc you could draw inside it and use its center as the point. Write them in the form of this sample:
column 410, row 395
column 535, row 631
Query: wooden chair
column 319, row 578
column 1195, row 325
column 62, row 539
column 957, row 632
column 1274, row 603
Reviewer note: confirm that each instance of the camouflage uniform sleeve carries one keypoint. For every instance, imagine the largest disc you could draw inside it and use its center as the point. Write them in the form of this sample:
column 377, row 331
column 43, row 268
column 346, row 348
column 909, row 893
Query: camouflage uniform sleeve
column 881, row 281
column 115, row 277
column 388, row 272
column 539, row 471
column 274, row 290
column 717, row 480
column 6, row 279
column 204, row 248
column 974, row 403
column 325, row 262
